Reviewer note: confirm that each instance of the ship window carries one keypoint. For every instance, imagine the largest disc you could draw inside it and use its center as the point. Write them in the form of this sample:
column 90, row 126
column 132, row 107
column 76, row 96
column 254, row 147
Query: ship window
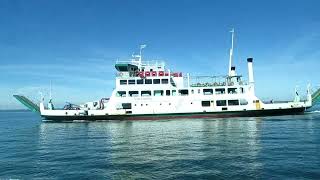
column 132, row 82
column 221, row 102
column 205, row 103
column 139, row 81
column 121, row 94
column 156, row 81
column 123, row 82
column 232, row 90
column 126, row 105
column 148, row 81
column 133, row 93
column 207, row 91
column 233, row 102
column 122, row 68
column 243, row 102
column 183, row 92
column 192, row 91
column 220, row 91
column 241, row 90
column 174, row 92
column 167, row 92
column 158, row 92
column 145, row 93
column 164, row 81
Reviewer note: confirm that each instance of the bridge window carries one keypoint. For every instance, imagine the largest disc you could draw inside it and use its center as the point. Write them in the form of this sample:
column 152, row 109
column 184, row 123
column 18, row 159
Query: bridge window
column 164, row 81
column 156, row 81
column 145, row 93
column 233, row 102
column 148, row 81
column 220, row 91
column 123, row 82
column 205, row 103
column 232, row 90
column 139, row 81
column 183, row 92
column 133, row 93
column 207, row 91
column 132, row 82
column 158, row 92
column 221, row 102
column 121, row 94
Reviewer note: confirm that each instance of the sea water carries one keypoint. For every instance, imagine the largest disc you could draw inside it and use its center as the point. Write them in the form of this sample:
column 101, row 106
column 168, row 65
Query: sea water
column 280, row 147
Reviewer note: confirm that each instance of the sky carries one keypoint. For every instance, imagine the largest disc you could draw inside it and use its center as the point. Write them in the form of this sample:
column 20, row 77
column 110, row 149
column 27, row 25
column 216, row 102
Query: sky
column 74, row 44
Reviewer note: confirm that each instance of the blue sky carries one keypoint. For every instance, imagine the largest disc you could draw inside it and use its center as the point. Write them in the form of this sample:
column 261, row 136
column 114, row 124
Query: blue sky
column 75, row 43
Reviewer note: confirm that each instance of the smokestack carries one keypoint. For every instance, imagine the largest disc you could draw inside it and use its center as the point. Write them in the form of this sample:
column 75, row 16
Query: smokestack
column 250, row 70
column 233, row 71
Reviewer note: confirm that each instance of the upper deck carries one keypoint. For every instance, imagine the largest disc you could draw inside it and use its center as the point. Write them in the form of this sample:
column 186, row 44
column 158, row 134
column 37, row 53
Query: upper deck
column 137, row 72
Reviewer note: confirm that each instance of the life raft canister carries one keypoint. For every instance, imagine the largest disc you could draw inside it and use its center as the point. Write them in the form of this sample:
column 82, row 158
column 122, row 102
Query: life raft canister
column 154, row 73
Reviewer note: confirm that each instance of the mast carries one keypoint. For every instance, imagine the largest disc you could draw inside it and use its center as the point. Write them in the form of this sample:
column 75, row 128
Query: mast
column 231, row 52
column 50, row 91
column 140, row 58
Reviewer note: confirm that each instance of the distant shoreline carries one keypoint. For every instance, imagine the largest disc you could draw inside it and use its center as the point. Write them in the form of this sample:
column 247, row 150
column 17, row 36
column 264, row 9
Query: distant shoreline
column 13, row 110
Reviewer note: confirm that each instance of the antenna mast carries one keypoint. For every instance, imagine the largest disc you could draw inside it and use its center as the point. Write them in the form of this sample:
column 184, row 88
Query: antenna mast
column 231, row 52
column 50, row 91
column 140, row 58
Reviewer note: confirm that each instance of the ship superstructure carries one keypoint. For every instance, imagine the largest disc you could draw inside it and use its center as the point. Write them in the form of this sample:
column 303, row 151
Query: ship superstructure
column 148, row 90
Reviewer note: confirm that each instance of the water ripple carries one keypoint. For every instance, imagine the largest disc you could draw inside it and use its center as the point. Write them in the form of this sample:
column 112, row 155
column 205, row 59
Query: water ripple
column 284, row 147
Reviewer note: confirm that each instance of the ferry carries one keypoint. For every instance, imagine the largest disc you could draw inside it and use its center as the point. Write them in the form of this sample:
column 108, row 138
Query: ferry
column 147, row 90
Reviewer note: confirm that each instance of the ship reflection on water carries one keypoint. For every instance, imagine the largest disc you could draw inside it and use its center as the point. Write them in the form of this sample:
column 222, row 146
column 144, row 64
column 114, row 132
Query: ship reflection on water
column 168, row 148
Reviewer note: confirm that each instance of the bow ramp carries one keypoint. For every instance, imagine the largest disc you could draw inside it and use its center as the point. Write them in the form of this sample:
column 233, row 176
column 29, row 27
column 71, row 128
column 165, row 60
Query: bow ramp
column 28, row 103
column 316, row 97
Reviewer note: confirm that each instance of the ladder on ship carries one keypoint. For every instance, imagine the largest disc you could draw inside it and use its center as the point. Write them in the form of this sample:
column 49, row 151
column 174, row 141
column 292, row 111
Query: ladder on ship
column 27, row 102
column 172, row 82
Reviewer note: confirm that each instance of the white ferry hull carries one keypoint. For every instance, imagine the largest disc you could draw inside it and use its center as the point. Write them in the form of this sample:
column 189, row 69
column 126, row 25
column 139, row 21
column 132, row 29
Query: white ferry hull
column 221, row 114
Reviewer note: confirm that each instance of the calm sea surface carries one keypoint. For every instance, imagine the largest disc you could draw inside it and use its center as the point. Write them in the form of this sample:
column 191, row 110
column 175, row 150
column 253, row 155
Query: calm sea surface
column 286, row 147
